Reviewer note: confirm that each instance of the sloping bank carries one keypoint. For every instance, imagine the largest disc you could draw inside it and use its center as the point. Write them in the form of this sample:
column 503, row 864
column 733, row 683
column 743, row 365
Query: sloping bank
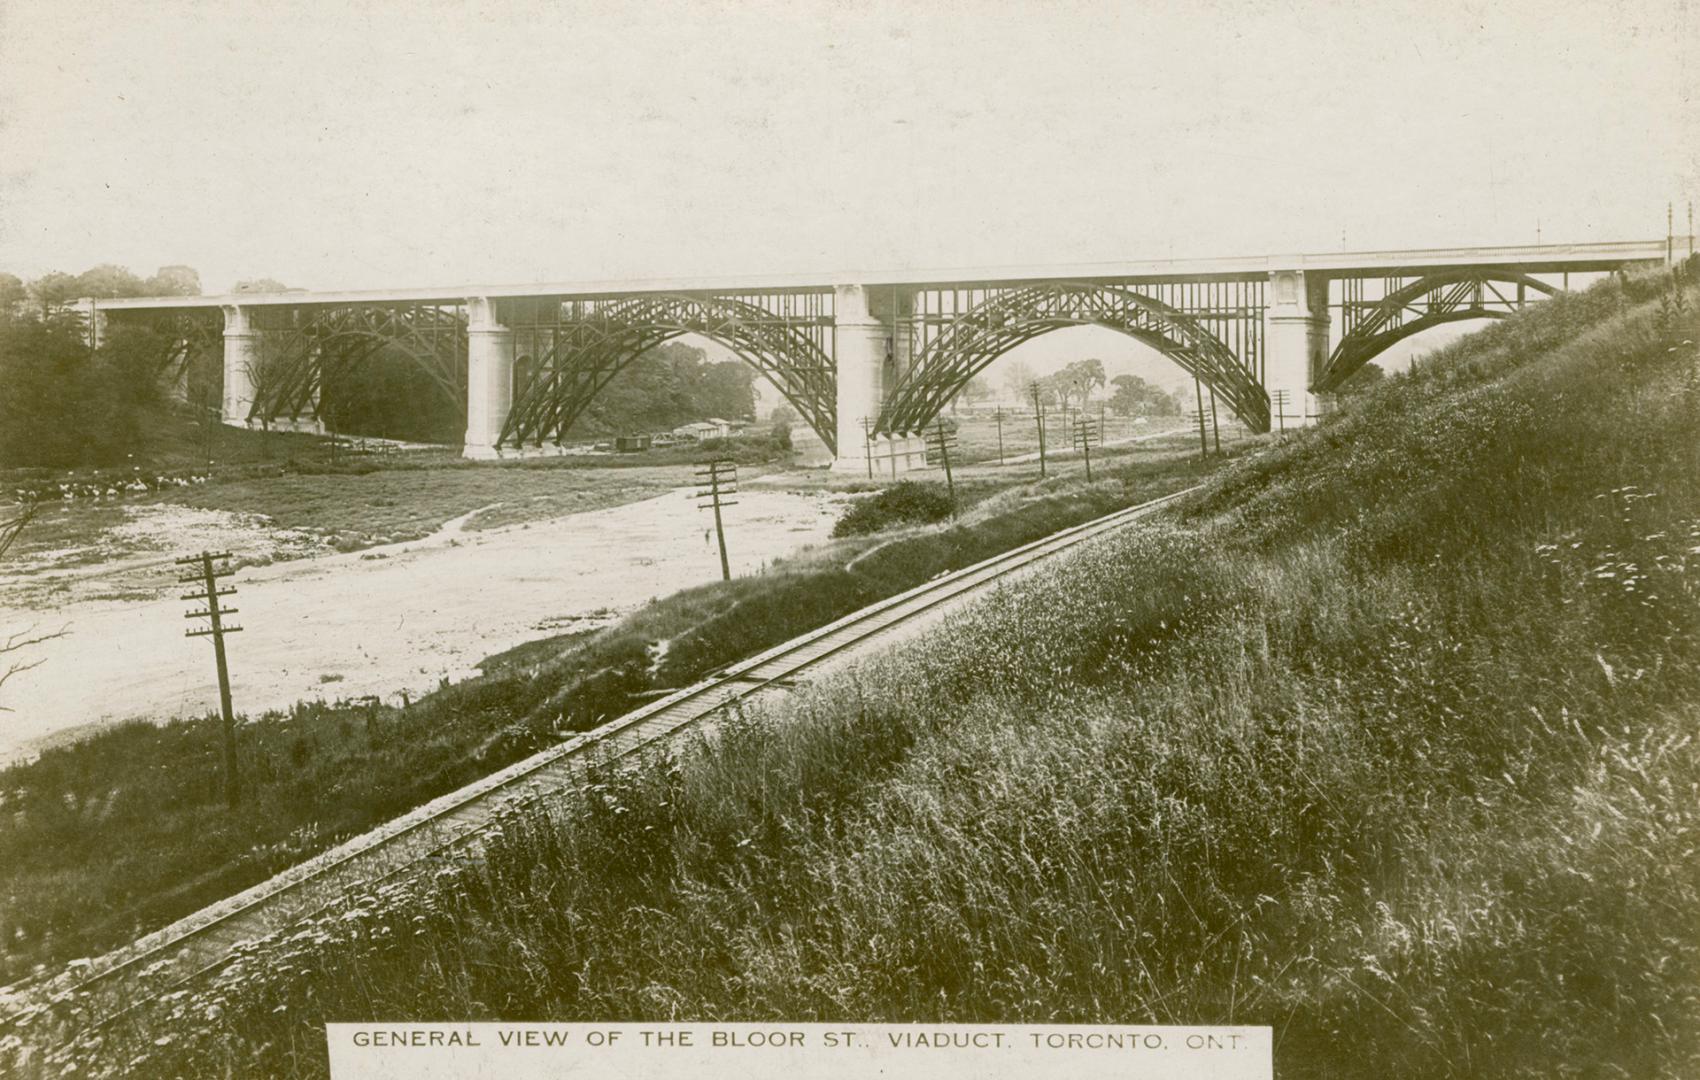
column 1392, row 749
column 116, row 836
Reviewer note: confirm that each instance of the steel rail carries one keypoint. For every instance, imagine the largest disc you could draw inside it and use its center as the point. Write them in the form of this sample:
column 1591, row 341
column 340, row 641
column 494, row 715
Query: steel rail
column 202, row 943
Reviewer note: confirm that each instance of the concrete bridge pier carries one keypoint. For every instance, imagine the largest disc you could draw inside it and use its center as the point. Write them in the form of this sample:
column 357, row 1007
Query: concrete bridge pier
column 1295, row 346
column 489, row 378
column 861, row 344
column 241, row 359
column 866, row 348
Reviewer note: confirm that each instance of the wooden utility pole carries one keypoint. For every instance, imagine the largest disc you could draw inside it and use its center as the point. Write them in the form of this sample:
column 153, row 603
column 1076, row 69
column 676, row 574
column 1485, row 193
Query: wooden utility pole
column 722, row 480
column 999, row 416
column 216, row 628
column 941, row 440
column 868, row 443
column 1280, row 399
column 1039, row 418
column 1084, row 437
column 1215, row 428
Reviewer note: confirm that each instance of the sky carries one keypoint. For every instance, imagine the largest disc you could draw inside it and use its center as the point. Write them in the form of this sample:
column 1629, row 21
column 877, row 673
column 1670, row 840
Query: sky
column 372, row 144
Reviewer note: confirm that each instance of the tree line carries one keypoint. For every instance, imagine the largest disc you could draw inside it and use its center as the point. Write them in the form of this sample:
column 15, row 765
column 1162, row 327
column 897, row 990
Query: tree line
column 1072, row 385
column 667, row 386
column 64, row 404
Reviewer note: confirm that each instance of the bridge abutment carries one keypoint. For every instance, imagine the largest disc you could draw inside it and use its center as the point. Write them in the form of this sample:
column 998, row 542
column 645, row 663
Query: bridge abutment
column 1295, row 346
column 241, row 359
column 489, row 378
column 94, row 321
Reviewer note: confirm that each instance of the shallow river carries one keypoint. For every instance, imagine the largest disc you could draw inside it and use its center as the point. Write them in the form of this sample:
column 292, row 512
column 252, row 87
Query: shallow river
column 384, row 620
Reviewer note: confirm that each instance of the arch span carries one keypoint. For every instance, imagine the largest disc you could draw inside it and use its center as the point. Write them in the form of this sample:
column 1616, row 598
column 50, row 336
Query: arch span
column 180, row 336
column 296, row 358
column 1430, row 301
column 983, row 333
column 567, row 375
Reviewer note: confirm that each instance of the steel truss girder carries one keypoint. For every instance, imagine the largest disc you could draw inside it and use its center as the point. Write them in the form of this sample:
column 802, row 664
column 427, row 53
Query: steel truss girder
column 193, row 334
column 1373, row 326
column 592, row 342
column 1004, row 320
column 186, row 334
column 314, row 346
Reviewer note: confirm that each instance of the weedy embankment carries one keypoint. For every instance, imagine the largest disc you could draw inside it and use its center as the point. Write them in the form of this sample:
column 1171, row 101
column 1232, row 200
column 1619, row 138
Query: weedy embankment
column 1389, row 745
column 119, row 834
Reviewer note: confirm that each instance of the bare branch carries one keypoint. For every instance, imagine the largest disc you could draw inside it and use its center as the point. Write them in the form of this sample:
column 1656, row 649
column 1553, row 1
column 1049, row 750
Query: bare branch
column 21, row 639
column 12, row 526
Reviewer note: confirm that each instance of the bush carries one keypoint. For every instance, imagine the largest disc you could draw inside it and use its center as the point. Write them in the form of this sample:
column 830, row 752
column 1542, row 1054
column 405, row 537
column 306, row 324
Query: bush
column 66, row 405
column 907, row 503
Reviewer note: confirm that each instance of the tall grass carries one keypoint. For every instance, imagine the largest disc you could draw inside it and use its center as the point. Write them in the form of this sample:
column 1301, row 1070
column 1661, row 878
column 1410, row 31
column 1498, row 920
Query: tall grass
column 109, row 838
column 1391, row 747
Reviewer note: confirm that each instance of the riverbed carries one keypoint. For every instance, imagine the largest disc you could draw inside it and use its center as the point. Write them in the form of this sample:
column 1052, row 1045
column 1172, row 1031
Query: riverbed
column 395, row 619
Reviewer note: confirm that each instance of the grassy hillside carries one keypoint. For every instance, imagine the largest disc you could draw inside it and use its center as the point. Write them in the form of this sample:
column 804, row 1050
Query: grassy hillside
column 1388, row 744
column 120, row 833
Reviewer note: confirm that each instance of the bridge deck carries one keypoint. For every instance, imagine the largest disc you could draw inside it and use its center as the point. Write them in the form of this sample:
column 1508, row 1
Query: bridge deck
column 1530, row 258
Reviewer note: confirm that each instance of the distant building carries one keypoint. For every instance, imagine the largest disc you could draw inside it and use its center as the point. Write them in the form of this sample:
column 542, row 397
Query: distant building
column 712, row 428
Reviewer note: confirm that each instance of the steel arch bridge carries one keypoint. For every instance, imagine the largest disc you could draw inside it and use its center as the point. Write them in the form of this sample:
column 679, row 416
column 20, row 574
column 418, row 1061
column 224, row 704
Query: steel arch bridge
column 566, row 353
column 1374, row 326
column 973, row 340
column 304, row 349
column 860, row 356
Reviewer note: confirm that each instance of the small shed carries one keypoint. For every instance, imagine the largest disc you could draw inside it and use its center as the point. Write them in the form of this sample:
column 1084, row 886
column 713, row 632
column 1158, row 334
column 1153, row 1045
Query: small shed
column 702, row 429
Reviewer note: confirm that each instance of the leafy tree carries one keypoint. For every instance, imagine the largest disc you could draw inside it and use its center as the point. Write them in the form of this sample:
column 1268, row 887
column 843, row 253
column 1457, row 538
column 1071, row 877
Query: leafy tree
column 668, row 386
column 108, row 282
column 1134, row 396
column 386, row 395
column 68, row 406
column 1078, row 379
column 12, row 294
column 1018, row 380
column 52, row 291
column 727, row 390
column 41, row 367
column 65, row 405
column 260, row 285
column 976, row 390
column 174, row 281
column 1047, row 390
column 1362, row 380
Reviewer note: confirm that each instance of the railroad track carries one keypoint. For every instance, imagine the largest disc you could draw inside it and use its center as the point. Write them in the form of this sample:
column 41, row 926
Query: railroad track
column 201, row 943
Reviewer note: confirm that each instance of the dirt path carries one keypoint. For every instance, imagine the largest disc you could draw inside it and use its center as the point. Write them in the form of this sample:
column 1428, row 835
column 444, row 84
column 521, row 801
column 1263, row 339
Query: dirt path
column 400, row 617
